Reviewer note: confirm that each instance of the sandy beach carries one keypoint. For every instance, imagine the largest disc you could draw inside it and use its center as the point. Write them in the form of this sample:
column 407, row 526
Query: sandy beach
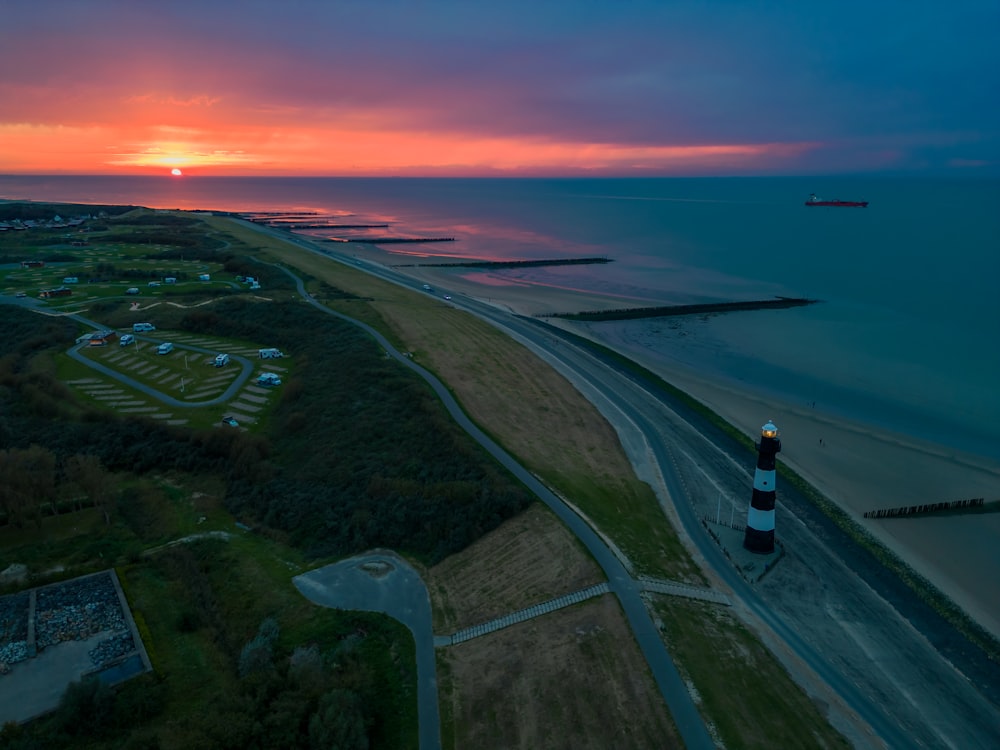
column 856, row 466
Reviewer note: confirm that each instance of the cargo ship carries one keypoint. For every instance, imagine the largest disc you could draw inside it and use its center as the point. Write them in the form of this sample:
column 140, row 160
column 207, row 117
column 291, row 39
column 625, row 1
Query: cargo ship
column 814, row 201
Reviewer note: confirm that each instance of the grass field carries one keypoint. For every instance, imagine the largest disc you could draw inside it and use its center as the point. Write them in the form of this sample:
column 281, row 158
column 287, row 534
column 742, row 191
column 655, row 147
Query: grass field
column 523, row 404
column 571, row 679
column 549, row 426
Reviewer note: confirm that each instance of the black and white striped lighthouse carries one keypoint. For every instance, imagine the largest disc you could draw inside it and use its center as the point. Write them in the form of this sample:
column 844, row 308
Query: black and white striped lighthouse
column 760, row 518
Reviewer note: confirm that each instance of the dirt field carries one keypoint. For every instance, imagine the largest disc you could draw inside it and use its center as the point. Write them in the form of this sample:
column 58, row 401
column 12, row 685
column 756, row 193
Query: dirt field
column 529, row 686
column 529, row 559
column 571, row 679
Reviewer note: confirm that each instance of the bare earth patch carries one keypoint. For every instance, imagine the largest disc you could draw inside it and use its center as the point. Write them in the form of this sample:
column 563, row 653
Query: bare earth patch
column 529, row 559
column 571, row 679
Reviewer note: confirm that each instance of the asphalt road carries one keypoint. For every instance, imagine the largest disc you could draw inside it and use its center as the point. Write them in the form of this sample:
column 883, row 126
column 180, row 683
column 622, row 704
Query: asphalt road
column 888, row 657
column 685, row 714
column 246, row 368
column 825, row 605
column 384, row 582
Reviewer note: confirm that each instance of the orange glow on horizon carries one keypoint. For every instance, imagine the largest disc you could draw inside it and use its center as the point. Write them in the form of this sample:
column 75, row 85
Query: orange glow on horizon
column 247, row 150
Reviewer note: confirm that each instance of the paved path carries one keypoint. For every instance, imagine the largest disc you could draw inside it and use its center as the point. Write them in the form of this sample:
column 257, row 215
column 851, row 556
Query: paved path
column 245, row 364
column 689, row 722
column 870, row 645
column 384, row 582
column 521, row 615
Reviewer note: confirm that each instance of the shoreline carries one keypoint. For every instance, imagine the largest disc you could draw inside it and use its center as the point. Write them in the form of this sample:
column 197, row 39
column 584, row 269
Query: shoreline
column 857, row 466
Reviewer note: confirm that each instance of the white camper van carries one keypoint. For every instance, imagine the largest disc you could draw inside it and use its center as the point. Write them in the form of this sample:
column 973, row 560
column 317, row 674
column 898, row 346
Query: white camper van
column 269, row 354
column 221, row 360
column 165, row 348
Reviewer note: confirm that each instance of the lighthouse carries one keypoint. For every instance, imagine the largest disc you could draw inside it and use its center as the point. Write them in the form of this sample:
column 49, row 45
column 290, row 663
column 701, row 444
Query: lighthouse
column 760, row 518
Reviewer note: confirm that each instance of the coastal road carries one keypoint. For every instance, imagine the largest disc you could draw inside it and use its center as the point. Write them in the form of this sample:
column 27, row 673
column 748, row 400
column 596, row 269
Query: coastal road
column 629, row 592
column 827, row 609
column 823, row 609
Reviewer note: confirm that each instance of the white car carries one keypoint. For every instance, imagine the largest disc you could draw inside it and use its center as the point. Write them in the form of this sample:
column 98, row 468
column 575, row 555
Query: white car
column 126, row 339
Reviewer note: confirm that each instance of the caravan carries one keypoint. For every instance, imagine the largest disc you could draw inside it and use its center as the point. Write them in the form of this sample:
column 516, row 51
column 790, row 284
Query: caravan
column 221, row 360
column 269, row 353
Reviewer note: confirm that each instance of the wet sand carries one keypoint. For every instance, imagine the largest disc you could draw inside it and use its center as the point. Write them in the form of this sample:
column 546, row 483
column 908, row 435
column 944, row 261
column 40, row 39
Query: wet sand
column 859, row 467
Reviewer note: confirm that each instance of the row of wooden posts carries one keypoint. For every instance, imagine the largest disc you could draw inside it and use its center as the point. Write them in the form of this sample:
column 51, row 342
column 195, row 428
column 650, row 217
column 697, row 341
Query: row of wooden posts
column 912, row 510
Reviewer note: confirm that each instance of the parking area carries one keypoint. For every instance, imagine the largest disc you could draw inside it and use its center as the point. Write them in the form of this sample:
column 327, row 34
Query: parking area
column 53, row 635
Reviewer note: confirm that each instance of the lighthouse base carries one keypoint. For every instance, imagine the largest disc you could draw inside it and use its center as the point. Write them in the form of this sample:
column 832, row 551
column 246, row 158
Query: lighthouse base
column 760, row 542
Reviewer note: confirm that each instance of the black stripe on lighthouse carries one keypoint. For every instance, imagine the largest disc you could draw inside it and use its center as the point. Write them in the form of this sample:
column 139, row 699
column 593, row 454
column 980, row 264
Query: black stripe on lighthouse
column 759, row 535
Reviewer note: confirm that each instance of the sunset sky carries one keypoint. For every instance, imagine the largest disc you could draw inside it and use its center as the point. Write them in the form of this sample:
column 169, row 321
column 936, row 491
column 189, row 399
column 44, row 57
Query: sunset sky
column 387, row 87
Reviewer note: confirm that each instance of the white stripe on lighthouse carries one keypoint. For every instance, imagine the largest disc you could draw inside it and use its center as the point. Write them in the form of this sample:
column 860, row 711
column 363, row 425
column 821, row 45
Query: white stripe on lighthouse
column 763, row 480
column 760, row 520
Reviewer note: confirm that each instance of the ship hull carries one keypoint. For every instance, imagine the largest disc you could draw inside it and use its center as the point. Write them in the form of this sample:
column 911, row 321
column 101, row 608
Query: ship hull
column 839, row 204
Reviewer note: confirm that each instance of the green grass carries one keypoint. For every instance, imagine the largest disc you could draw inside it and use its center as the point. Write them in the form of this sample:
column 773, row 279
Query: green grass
column 195, row 370
column 248, row 579
column 744, row 693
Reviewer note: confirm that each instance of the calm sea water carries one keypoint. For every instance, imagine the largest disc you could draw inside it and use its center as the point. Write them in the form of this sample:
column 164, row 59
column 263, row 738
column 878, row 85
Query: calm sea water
column 907, row 337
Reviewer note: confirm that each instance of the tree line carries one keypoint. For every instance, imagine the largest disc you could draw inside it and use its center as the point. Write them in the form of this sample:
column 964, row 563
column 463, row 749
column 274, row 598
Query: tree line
column 358, row 453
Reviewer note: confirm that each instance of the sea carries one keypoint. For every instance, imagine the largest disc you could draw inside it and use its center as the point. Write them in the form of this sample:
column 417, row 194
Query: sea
column 905, row 337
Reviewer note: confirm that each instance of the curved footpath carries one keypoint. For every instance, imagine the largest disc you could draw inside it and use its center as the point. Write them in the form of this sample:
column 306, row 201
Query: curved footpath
column 689, row 722
column 245, row 364
column 852, row 632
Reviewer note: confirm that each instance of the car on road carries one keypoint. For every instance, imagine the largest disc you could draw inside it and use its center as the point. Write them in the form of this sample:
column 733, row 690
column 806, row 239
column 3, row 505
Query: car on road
column 126, row 339
column 230, row 421
column 447, row 296
column 22, row 294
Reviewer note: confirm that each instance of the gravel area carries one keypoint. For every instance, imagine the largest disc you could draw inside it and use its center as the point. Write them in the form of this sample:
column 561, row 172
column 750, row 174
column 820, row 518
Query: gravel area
column 77, row 610
column 13, row 630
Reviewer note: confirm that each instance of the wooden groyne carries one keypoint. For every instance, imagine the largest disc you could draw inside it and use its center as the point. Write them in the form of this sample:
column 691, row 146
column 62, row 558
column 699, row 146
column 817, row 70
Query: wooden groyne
column 916, row 510
column 388, row 240
column 297, row 225
column 636, row 313
column 507, row 263
column 269, row 215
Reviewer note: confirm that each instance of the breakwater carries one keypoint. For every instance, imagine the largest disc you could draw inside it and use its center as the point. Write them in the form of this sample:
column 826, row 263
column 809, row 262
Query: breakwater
column 915, row 510
column 298, row 225
column 389, row 240
column 635, row 313
column 506, row 263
